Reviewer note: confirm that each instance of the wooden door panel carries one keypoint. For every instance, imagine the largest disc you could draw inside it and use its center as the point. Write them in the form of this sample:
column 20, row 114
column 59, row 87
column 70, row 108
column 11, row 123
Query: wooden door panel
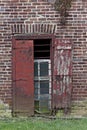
column 62, row 73
column 23, row 77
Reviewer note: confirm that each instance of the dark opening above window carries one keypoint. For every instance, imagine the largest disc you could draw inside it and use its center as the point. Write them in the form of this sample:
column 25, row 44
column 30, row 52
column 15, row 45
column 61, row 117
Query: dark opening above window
column 42, row 49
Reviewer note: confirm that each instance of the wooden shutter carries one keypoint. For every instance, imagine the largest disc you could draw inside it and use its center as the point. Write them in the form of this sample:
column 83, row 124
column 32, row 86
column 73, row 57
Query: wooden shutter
column 62, row 74
column 23, row 77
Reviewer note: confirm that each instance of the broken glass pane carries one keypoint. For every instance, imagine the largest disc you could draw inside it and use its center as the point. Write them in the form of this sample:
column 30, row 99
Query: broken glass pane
column 36, row 103
column 44, row 103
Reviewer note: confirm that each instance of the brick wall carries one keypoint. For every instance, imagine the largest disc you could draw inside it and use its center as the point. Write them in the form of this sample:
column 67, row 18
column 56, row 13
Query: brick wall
column 42, row 12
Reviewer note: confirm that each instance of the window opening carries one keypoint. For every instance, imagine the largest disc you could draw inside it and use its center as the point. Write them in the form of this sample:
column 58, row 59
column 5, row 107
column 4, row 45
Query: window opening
column 42, row 76
column 42, row 49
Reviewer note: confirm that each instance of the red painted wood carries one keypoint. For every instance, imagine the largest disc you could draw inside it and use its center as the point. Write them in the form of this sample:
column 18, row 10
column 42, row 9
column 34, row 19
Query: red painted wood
column 23, row 77
column 62, row 72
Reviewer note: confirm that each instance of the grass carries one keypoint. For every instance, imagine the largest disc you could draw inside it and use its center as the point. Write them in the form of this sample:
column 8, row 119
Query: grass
column 43, row 124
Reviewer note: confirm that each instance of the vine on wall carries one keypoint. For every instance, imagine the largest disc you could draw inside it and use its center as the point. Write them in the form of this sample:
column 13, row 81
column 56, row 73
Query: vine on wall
column 62, row 6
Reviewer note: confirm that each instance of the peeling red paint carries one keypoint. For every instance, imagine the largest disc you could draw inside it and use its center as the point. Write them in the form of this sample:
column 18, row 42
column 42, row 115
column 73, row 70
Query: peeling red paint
column 62, row 72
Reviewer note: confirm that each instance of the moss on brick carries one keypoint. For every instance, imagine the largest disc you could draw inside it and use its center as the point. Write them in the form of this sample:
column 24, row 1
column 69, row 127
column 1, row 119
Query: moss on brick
column 79, row 108
column 4, row 110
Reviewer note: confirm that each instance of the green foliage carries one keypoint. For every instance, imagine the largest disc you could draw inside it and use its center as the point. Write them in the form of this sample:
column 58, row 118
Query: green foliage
column 60, row 113
column 37, row 123
column 62, row 6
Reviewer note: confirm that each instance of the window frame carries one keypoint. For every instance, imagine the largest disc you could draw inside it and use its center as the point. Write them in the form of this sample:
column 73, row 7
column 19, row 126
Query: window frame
column 43, row 78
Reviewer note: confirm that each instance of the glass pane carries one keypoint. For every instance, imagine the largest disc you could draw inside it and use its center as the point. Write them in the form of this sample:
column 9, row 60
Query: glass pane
column 35, row 69
column 44, row 69
column 36, row 90
column 44, row 87
column 44, row 103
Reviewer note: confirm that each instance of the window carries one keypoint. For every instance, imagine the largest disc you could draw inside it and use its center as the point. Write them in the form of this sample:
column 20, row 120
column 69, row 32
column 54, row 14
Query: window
column 42, row 83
